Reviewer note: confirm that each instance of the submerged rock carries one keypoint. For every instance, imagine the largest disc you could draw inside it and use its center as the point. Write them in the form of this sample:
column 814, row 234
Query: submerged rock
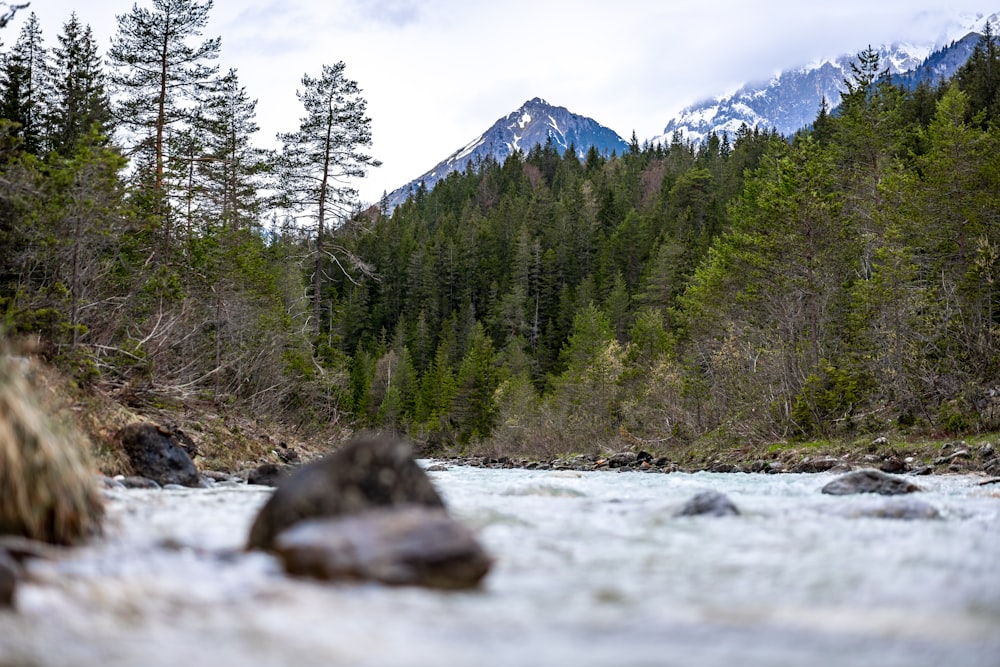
column 158, row 454
column 397, row 546
column 907, row 509
column 365, row 474
column 869, row 481
column 710, row 503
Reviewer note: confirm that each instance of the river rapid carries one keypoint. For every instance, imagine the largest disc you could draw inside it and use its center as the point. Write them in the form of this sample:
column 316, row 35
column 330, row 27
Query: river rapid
column 592, row 569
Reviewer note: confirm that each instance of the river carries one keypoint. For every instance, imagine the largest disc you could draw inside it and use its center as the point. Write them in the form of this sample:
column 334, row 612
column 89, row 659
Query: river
column 592, row 569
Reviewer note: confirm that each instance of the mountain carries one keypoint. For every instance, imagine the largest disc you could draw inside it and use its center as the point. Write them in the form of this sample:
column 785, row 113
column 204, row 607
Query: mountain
column 941, row 64
column 791, row 99
column 535, row 123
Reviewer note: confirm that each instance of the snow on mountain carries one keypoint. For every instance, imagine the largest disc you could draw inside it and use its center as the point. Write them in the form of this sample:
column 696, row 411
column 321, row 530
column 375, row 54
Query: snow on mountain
column 791, row 99
column 787, row 102
column 535, row 123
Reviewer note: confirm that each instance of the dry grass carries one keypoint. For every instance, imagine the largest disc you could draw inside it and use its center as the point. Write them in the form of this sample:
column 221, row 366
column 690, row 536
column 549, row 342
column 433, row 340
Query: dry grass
column 48, row 485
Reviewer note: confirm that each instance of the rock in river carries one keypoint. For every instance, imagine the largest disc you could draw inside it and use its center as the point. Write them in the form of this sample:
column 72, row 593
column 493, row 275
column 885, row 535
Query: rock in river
column 869, row 481
column 158, row 454
column 711, row 503
column 396, row 546
column 365, row 474
column 906, row 509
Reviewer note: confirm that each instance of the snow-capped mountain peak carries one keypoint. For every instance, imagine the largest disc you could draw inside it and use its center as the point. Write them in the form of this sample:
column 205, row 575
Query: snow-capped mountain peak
column 535, row 123
column 791, row 99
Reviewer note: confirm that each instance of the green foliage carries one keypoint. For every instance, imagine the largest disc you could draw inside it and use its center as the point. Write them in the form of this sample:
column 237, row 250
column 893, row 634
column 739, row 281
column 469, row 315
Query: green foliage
column 828, row 400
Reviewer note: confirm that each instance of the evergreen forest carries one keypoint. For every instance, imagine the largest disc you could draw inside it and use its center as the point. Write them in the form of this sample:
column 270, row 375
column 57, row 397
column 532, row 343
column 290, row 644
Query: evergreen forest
column 749, row 288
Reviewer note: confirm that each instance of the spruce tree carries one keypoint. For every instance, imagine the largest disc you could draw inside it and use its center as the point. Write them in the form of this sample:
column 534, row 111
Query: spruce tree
column 80, row 101
column 232, row 168
column 319, row 160
column 24, row 84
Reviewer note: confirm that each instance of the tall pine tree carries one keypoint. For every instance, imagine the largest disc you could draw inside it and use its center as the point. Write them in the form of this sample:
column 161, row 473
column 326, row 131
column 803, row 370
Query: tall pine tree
column 80, row 102
column 24, row 84
column 160, row 76
column 319, row 160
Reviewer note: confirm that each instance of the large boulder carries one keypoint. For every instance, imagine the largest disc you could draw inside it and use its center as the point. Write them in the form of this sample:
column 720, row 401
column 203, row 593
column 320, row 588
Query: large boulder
column 365, row 474
column 414, row 546
column 708, row 503
column 869, row 481
column 48, row 489
column 159, row 454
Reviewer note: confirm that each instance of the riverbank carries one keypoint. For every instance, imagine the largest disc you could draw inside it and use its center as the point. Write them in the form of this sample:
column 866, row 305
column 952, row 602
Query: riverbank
column 230, row 440
column 977, row 455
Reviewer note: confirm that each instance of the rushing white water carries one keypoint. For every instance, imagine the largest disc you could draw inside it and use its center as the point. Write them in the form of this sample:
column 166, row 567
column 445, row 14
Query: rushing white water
column 592, row 569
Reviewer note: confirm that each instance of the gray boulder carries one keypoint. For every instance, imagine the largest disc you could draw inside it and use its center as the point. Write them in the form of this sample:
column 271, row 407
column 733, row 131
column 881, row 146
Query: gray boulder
column 413, row 546
column 158, row 454
column 708, row 503
column 869, row 481
column 365, row 474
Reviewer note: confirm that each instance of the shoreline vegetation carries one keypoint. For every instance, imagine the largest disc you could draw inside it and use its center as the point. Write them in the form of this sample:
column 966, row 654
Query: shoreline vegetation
column 234, row 443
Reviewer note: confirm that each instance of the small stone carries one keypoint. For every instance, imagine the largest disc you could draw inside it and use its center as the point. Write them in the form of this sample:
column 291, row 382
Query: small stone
column 710, row 503
column 893, row 465
column 110, row 482
column 878, row 442
column 437, row 467
column 137, row 482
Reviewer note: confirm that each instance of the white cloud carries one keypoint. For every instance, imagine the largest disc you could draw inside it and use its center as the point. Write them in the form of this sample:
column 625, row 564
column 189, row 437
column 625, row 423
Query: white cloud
column 436, row 73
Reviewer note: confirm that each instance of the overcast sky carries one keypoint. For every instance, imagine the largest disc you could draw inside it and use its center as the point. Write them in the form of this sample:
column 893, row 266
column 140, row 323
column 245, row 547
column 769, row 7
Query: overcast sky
column 437, row 73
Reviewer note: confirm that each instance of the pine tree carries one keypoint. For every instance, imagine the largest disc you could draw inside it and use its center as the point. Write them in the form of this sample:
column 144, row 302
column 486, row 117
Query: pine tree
column 474, row 408
column 24, row 86
column 232, row 168
column 80, row 102
column 160, row 77
column 979, row 77
column 319, row 160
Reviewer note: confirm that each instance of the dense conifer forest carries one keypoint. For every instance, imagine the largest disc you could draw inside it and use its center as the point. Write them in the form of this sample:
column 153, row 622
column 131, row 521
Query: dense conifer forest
column 753, row 288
